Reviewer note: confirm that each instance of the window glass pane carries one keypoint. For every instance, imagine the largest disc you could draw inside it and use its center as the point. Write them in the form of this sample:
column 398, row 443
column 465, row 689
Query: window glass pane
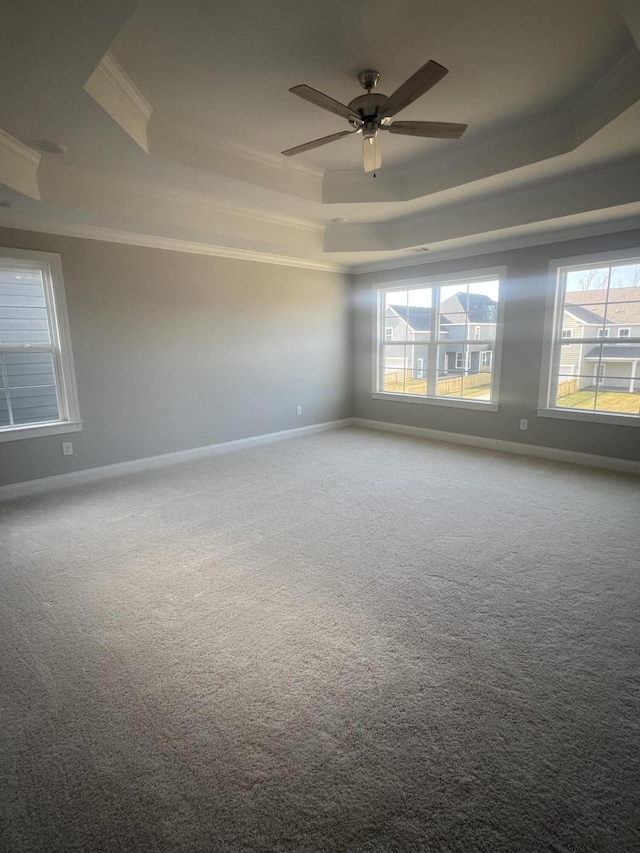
column 595, row 279
column 4, row 410
column 419, row 313
column 452, row 314
column 395, row 315
column 602, row 304
column 625, row 275
column 467, row 316
column 393, row 368
column 31, row 385
column 465, row 371
column 23, row 311
column 405, row 369
column 469, row 311
column 408, row 314
column 584, row 394
column 623, row 314
column 585, row 314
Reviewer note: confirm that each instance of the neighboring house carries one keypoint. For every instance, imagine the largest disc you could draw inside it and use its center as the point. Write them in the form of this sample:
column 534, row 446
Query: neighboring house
column 614, row 366
column 463, row 317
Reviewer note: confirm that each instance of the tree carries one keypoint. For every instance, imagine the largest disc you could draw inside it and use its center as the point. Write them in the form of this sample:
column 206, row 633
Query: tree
column 593, row 279
column 632, row 279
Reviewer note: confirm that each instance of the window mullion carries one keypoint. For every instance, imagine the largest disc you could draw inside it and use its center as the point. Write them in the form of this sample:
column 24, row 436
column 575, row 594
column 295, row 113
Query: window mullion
column 7, row 396
column 432, row 348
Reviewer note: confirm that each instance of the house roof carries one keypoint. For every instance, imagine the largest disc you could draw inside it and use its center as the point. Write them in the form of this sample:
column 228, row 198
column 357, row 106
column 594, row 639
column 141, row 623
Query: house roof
column 418, row 319
column 583, row 315
column 623, row 305
column 625, row 353
column 478, row 306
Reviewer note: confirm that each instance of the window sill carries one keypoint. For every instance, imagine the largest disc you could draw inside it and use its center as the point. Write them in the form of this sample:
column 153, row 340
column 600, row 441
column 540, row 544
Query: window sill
column 39, row 430
column 451, row 402
column 593, row 417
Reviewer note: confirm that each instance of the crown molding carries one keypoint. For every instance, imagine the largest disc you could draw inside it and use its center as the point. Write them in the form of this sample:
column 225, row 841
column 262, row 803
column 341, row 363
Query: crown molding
column 191, row 133
column 180, row 142
column 488, row 246
column 101, row 185
column 111, row 87
column 587, row 193
column 19, row 166
column 152, row 241
column 121, row 81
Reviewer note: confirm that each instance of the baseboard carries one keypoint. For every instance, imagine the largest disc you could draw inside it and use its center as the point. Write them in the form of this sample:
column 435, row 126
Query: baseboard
column 552, row 453
column 89, row 475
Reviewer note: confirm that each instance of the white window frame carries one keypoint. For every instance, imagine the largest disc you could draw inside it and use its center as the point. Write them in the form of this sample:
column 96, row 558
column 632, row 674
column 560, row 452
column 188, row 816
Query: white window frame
column 486, row 357
column 50, row 265
column 436, row 281
column 603, row 333
column 626, row 330
column 567, row 333
column 477, row 333
column 388, row 333
column 558, row 268
column 420, row 368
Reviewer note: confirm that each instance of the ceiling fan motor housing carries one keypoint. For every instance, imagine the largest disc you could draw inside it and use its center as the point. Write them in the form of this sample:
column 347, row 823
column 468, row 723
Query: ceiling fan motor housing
column 367, row 106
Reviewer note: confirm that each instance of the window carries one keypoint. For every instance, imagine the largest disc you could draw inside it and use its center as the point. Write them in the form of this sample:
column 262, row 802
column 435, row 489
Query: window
column 388, row 333
column 444, row 330
column 37, row 382
column 567, row 333
column 462, row 361
column 595, row 377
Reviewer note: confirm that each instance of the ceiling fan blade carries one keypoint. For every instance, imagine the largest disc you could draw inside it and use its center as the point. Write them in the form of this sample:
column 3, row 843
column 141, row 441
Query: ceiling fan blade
column 371, row 156
column 413, row 88
column 432, row 129
column 316, row 143
column 324, row 101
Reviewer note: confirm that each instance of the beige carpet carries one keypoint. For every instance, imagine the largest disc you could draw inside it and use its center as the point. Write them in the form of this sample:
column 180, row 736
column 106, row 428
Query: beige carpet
column 346, row 642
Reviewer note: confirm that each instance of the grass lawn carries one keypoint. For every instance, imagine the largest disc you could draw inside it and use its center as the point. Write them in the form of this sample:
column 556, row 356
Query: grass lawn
column 419, row 386
column 608, row 401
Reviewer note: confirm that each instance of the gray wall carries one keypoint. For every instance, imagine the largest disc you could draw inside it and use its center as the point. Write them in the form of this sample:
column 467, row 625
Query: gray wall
column 174, row 351
column 524, row 295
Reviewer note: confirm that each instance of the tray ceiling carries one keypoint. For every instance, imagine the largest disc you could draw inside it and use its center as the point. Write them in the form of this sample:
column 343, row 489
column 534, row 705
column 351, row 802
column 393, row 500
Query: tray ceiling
column 172, row 116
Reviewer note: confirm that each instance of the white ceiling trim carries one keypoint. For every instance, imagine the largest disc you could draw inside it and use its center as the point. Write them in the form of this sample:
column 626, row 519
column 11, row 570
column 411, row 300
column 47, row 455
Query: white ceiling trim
column 583, row 192
column 182, row 143
column 111, row 87
column 485, row 244
column 192, row 133
column 152, row 241
column 98, row 185
column 19, row 166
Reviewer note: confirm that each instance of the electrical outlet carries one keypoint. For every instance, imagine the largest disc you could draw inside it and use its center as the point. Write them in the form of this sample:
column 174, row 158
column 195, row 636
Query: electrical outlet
column 298, row 410
column 523, row 423
column 67, row 448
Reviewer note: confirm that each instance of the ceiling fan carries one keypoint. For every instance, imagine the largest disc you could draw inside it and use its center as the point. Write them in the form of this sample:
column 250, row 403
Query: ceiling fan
column 368, row 114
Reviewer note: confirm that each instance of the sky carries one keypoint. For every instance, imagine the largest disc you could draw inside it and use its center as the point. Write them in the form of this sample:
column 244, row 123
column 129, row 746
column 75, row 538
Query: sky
column 627, row 275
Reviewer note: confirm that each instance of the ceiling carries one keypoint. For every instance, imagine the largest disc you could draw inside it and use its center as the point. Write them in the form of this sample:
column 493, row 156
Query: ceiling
column 172, row 116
